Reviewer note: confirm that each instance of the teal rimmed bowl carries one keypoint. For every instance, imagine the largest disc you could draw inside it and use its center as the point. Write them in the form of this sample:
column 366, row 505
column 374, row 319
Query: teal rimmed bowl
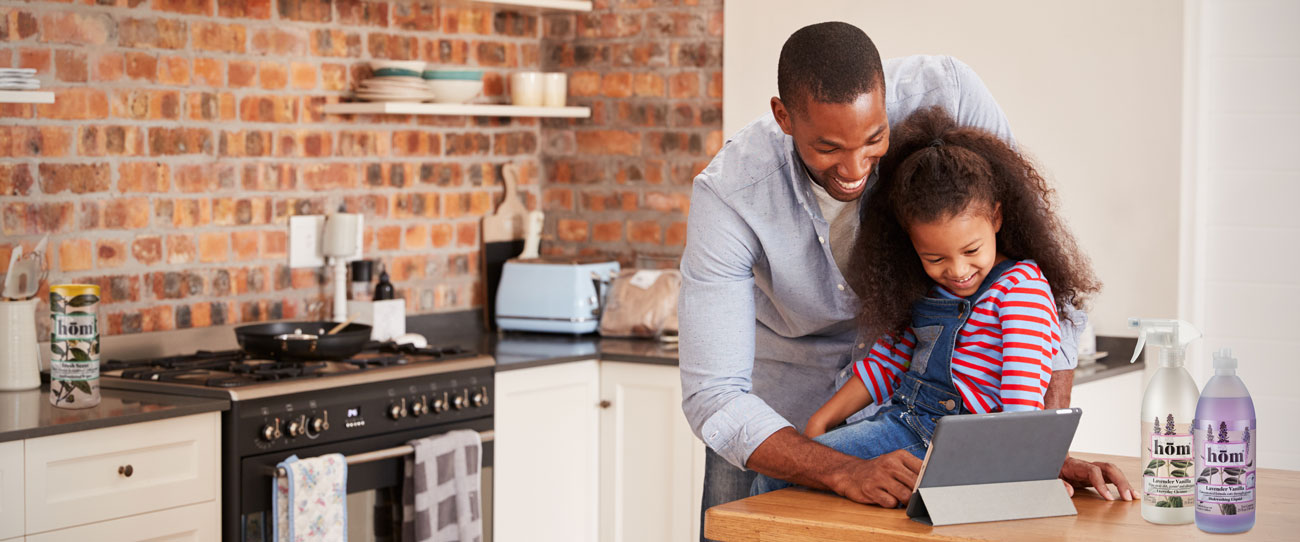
column 453, row 75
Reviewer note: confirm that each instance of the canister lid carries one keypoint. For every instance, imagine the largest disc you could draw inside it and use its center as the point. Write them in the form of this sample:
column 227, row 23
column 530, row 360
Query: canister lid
column 72, row 290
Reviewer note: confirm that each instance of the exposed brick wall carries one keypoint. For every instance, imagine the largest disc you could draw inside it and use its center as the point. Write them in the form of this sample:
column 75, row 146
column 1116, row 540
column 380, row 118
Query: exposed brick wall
column 186, row 132
column 619, row 183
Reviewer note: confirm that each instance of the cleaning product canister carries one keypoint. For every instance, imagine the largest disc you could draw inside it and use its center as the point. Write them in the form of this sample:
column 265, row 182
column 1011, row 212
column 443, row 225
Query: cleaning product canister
column 74, row 345
column 1225, row 438
column 1168, row 406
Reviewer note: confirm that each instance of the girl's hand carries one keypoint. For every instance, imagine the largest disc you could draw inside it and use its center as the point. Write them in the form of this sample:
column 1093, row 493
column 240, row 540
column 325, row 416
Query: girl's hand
column 816, row 427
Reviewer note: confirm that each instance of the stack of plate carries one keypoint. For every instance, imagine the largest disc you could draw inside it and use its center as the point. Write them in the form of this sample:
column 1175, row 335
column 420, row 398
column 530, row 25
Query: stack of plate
column 18, row 79
column 395, row 81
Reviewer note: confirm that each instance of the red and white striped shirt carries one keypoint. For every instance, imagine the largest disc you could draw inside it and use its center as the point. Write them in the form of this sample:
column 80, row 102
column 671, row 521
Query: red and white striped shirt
column 1003, row 357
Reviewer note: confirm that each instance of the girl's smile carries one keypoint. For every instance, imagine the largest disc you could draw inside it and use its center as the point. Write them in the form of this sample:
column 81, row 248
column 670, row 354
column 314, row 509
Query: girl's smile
column 958, row 251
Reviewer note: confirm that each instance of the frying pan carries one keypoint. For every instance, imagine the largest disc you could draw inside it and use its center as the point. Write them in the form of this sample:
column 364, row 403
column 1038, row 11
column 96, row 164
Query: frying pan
column 302, row 341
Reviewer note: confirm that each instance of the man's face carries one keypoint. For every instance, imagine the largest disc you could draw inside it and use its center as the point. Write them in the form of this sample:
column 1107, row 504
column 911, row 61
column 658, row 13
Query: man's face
column 839, row 143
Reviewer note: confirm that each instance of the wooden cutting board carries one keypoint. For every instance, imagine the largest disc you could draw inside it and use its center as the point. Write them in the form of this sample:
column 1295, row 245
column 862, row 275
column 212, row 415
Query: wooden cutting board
column 502, row 239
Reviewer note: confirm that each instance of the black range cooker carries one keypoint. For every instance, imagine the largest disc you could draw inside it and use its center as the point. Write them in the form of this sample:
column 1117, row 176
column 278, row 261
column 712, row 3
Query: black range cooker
column 366, row 408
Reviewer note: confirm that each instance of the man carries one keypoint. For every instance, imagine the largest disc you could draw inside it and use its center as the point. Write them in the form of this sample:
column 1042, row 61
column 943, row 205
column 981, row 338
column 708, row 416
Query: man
column 766, row 315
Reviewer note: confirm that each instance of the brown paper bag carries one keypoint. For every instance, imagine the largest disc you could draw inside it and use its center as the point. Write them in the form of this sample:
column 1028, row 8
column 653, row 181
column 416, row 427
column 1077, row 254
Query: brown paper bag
column 641, row 303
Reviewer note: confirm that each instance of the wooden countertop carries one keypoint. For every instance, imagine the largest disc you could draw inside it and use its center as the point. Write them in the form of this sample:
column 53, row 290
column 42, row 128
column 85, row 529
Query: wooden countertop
column 803, row 514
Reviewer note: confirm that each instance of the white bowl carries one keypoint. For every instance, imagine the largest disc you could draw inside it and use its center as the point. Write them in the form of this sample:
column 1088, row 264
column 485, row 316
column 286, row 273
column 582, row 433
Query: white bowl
column 454, row 91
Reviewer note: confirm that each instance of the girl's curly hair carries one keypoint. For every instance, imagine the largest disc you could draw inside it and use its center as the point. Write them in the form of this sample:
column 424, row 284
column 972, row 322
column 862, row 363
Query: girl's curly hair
column 936, row 169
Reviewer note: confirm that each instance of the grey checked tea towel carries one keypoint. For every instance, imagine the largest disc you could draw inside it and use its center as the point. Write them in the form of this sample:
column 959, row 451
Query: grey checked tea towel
column 441, row 495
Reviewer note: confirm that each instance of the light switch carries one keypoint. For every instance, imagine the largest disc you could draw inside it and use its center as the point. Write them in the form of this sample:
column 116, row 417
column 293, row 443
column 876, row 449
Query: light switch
column 304, row 241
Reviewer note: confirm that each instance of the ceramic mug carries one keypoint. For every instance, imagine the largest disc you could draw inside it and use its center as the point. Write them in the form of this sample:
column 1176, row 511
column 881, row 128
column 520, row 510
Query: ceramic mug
column 20, row 361
column 526, row 88
column 555, row 89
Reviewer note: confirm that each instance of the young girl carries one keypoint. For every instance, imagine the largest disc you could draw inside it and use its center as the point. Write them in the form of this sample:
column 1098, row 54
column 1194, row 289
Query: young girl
column 962, row 267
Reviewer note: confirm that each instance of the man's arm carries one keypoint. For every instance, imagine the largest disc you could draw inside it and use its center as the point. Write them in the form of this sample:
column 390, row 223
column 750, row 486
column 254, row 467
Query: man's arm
column 886, row 480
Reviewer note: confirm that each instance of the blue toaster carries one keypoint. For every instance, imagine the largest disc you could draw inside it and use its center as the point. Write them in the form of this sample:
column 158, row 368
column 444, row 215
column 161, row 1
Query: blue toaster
column 553, row 295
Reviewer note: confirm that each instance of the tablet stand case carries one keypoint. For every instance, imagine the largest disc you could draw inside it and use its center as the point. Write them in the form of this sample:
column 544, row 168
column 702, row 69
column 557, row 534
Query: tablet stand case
column 967, row 480
column 951, row 505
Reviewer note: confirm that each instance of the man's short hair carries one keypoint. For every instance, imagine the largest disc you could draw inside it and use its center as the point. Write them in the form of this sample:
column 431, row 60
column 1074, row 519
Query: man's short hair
column 831, row 62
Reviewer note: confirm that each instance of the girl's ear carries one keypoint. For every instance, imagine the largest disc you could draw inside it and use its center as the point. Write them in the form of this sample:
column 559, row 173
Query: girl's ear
column 997, row 217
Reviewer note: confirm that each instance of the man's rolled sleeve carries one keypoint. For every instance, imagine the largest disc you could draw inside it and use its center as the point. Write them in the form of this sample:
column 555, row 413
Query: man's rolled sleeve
column 717, row 321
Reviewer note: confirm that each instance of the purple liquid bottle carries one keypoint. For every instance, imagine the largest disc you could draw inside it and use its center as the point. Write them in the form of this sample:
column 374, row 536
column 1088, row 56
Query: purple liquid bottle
column 1224, row 433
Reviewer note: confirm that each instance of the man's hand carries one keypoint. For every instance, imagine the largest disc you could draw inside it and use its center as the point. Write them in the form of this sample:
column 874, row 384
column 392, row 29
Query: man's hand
column 1079, row 473
column 886, row 480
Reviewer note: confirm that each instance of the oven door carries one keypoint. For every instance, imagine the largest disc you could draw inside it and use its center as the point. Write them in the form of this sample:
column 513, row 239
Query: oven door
column 374, row 487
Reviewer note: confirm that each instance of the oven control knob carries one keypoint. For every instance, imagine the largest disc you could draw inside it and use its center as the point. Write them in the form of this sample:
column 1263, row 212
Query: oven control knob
column 417, row 409
column 318, row 425
column 270, row 432
column 439, row 404
column 296, row 428
column 397, row 411
column 480, row 398
column 458, row 401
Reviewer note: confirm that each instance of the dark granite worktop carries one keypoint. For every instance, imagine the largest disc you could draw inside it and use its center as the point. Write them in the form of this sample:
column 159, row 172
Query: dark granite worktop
column 29, row 414
column 515, row 350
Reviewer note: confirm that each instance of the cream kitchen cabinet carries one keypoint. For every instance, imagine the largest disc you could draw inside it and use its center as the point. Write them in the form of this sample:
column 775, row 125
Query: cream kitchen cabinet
column 149, row 480
column 11, row 490
column 595, row 450
column 546, row 453
column 651, row 465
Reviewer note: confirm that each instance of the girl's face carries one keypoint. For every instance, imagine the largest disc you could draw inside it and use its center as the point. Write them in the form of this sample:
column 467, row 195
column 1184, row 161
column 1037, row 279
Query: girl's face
column 959, row 251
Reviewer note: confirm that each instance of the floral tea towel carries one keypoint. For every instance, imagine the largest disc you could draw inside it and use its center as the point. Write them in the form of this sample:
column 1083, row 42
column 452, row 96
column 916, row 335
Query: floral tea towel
column 311, row 501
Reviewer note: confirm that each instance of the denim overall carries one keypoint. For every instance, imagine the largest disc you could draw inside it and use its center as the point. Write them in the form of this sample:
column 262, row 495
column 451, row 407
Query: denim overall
column 923, row 394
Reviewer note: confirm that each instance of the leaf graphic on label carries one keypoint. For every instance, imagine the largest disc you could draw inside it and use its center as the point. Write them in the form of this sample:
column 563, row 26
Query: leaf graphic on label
column 1178, row 473
column 82, row 385
column 79, row 355
column 1232, row 481
column 1206, row 472
column 84, row 300
column 1176, row 502
column 58, row 350
column 1229, row 509
column 1148, row 472
column 1202, row 480
column 1234, row 471
column 1163, row 504
column 1180, row 464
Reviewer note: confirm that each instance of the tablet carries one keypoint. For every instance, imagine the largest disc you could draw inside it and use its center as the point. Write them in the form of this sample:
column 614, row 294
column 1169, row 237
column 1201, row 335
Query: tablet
column 999, row 448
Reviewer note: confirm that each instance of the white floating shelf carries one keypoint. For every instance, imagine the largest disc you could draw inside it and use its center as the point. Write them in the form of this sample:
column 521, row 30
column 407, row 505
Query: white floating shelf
column 26, row 97
column 474, row 110
column 569, row 5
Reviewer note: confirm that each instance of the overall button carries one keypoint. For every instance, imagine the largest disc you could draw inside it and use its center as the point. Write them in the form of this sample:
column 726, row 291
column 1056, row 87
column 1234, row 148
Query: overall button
column 949, row 404
column 821, row 239
column 840, row 286
column 862, row 345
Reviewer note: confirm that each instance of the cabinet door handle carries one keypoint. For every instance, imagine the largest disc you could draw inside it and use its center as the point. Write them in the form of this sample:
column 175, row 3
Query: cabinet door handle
column 126, row 471
column 605, row 404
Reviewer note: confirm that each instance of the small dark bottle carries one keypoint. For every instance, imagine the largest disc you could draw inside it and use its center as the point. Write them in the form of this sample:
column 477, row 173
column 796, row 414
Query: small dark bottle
column 383, row 288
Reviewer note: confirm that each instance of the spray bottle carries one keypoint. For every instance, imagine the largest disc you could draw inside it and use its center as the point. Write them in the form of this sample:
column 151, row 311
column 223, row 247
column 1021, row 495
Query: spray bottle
column 1168, row 407
column 1225, row 436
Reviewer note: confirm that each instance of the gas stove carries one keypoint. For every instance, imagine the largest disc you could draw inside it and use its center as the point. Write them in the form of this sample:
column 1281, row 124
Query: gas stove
column 236, row 375
column 365, row 407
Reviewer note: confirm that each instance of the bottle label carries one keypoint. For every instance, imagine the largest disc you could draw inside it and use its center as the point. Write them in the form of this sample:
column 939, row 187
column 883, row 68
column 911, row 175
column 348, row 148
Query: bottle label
column 1225, row 465
column 1167, row 480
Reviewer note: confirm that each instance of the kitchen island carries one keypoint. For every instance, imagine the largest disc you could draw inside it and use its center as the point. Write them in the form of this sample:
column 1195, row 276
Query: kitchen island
column 803, row 514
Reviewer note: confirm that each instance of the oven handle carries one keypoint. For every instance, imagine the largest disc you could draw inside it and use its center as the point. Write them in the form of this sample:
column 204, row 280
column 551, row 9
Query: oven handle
column 387, row 453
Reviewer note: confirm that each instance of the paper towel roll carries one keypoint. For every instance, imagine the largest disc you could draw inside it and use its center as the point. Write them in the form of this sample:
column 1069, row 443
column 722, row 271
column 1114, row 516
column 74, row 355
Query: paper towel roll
column 340, row 235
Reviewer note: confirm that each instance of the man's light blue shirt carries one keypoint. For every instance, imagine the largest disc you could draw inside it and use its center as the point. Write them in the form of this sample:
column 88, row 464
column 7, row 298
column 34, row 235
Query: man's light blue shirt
column 766, row 317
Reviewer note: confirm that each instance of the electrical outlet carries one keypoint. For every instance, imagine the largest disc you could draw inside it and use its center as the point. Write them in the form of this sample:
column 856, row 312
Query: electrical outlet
column 305, row 234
